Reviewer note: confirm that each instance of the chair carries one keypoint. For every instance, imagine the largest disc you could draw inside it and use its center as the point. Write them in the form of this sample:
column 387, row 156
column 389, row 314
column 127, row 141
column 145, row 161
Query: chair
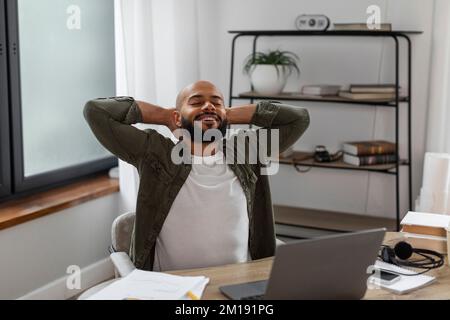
column 121, row 230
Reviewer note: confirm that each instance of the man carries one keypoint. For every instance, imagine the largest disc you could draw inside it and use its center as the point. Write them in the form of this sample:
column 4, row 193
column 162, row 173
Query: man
column 203, row 212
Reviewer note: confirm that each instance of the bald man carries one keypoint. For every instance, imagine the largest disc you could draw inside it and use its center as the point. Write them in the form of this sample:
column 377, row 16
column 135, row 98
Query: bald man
column 206, row 211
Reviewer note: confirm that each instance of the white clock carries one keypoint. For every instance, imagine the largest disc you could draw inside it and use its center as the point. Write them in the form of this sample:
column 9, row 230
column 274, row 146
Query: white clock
column 312, row 22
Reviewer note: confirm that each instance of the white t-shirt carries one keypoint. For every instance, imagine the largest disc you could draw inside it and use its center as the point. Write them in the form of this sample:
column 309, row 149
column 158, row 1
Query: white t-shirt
column 207, row 224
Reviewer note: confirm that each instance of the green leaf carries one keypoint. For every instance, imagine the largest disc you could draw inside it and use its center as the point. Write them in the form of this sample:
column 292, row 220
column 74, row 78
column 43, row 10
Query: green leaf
column 286, row 60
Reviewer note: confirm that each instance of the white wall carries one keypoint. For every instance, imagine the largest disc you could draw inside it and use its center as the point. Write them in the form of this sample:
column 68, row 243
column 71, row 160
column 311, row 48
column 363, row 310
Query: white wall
column 38, row 252
column 329, row 60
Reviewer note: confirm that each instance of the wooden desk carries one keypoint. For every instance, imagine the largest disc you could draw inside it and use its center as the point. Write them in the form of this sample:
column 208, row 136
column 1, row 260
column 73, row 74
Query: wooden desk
column 260, row 270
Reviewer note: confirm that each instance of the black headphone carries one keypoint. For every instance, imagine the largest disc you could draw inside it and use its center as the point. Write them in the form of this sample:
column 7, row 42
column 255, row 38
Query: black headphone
column 403, row 251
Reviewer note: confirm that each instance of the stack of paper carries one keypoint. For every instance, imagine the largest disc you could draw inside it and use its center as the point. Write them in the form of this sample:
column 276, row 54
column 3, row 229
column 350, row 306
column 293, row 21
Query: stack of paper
column 426, row 230
column 435, row 192
column 146, row 285
column 406, row 283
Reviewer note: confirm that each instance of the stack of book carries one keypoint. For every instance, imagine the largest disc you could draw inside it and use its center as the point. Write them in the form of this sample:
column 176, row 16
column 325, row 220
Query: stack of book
column 321, row 90
column 375, row 92
column 363, row 153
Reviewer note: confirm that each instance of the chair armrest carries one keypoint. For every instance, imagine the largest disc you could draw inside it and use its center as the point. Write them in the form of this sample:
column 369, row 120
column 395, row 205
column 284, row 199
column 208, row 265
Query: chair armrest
column 122, row 263
column 278, row 243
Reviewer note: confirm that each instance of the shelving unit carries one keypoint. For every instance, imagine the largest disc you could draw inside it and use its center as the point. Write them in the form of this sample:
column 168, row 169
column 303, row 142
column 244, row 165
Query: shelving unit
column 295, row 96
column 299, row 159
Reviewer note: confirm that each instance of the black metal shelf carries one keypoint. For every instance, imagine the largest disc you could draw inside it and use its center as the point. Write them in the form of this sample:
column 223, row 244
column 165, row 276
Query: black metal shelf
column 305, row 159
column 294, row 96
column 395, row 35
column 363, row 33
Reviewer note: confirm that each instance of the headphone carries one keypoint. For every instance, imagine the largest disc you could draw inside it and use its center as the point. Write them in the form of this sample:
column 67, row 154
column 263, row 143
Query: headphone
column 400, row 256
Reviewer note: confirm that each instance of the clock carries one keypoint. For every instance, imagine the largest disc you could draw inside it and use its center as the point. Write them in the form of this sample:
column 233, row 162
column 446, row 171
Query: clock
column 312, row 22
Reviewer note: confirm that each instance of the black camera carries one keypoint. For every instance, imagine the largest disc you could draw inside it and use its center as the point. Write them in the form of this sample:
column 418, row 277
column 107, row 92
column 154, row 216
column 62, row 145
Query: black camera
column 321, row 154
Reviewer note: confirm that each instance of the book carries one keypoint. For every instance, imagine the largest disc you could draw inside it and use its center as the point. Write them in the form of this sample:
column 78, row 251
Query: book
column 368, row 96
column 406, row 283
column 321, row 90
column 369, row 160
column 372, row 88
column 360, row 27
column 365, row 148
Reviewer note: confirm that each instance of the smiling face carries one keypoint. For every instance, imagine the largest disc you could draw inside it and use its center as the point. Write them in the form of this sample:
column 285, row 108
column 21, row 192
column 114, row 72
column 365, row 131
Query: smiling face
column 201, row 105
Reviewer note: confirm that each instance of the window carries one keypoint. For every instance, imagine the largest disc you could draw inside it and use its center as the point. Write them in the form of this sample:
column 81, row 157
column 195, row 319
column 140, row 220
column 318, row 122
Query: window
column 60, row 54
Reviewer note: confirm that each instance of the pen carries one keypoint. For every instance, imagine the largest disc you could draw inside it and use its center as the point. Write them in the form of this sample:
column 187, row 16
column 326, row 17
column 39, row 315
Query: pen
column 191, row 295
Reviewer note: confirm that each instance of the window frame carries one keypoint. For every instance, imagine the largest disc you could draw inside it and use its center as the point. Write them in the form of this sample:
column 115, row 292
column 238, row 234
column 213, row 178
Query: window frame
column 5, row 160
column 44, row 180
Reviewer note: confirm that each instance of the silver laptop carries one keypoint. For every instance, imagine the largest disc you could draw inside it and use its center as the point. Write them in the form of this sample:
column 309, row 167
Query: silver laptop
column 332, row 267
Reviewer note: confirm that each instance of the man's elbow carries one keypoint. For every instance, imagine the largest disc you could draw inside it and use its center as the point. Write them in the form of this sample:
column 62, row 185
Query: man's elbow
column 90, row 109
column 303, row 120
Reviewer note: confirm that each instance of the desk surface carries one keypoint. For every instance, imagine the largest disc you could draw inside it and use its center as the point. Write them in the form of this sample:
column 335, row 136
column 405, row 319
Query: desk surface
column 260, row 270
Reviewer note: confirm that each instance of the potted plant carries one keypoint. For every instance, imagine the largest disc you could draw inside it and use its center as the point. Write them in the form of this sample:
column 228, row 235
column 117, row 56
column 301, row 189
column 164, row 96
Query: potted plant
column 269, row 71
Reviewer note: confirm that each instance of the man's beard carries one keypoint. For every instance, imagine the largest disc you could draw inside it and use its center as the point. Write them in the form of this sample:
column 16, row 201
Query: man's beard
column 191, row 128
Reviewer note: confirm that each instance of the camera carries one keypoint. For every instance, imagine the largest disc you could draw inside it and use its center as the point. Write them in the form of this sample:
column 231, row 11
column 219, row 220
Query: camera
column 321, row 154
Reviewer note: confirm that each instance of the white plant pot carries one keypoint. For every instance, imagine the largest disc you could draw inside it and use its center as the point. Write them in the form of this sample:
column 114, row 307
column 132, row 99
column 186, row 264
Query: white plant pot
column 267, row 81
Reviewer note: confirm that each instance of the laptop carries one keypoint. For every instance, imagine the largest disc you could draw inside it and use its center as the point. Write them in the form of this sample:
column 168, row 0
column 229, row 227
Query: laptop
column 331, row 267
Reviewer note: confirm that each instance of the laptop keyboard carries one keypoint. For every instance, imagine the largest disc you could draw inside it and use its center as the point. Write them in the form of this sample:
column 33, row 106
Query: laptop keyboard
column 256, row 297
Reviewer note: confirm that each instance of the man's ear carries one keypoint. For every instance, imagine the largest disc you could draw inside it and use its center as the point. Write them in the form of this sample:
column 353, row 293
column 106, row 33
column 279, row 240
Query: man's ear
column 177, row 118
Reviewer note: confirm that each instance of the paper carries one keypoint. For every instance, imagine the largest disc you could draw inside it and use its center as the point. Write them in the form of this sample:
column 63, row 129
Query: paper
column 146, row 285
column 406, row 283
column 426, row 219
column 423, row 236
column 198, row 289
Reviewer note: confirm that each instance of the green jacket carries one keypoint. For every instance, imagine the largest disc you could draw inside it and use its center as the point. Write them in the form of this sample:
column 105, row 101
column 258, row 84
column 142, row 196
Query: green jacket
column 111, row 121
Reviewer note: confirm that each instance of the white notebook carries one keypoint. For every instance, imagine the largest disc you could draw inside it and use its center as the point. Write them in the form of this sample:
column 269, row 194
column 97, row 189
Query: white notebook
column 147, row 285
column 406, row 283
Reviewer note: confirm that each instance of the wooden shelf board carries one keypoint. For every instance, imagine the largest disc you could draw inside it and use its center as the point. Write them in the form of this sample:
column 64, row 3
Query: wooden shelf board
column 305, row 159
column 296, row 96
